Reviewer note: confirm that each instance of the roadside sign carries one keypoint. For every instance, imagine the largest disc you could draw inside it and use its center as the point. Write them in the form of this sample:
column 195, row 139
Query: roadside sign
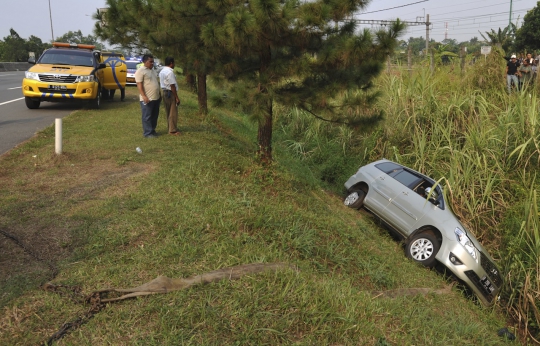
column 485, row 50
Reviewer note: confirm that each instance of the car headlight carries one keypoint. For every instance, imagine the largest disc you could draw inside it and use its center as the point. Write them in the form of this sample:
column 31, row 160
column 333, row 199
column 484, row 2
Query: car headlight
column 31, row 75
column 466, row 242
column 89, row 78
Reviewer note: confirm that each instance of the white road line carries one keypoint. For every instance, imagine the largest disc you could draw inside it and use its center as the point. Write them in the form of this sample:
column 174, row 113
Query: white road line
column 2, row 75
column 3, row 103
column 14, row 88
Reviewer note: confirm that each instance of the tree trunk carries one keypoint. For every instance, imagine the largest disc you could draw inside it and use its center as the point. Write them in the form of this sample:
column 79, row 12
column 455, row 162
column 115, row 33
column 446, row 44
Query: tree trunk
column 264, row 135
column 201, row 93
column 190, row 81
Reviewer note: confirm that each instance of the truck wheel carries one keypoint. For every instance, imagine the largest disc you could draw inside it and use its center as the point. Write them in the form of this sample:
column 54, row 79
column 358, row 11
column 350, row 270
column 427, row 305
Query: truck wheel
column 31, row 104
column 95, row 103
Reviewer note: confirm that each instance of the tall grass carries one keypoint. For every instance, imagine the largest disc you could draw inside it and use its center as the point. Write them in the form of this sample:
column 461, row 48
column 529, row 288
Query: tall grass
column 523, row 268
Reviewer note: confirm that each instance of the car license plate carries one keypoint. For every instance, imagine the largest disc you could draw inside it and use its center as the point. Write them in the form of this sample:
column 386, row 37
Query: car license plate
column 57, row 87
column 131, row 79
column 487, row 284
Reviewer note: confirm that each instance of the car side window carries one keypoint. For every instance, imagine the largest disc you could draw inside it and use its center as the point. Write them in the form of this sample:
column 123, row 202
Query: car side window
column 407, row 178
column 389, row 167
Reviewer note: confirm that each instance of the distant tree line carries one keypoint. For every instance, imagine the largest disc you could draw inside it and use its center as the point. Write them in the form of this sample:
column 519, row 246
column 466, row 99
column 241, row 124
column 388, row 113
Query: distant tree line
column 14, row 48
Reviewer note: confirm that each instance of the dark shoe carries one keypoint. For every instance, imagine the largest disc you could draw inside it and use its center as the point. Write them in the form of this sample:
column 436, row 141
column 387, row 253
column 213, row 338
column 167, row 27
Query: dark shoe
column 151, row 136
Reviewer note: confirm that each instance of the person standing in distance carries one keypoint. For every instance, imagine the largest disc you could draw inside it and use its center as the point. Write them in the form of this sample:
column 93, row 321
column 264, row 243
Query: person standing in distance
column 512, row 74
column 169, row 86
column 150, row 99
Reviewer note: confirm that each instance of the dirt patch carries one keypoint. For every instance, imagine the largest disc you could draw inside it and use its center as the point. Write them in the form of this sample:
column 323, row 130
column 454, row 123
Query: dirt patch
column 41, row 218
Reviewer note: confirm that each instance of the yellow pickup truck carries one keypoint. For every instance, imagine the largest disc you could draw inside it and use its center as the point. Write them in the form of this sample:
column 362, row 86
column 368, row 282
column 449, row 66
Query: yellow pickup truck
column 71, row 72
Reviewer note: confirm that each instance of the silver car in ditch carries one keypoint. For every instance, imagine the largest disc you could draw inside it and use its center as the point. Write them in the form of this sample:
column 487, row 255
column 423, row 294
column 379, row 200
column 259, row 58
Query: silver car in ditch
column 413, row 205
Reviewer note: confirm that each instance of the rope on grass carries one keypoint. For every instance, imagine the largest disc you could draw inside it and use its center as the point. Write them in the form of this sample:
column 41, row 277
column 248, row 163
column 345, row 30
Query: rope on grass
column 162, row 284
column 30, row 252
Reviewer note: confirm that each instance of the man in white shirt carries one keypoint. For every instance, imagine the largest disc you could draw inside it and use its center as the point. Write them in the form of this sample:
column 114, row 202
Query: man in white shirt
column 150, row 98
column 169, row 87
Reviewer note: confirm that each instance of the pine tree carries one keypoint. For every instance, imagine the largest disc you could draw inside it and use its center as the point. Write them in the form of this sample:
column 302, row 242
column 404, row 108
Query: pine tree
column 303, row 54
column 164, row 27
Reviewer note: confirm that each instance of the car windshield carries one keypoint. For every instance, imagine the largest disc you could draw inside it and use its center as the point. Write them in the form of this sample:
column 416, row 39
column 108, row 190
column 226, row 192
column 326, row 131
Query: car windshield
column 132, row 64
column 67, row 58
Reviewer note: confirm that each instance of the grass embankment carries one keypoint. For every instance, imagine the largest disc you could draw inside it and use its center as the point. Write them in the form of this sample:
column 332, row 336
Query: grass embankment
column 105, row 216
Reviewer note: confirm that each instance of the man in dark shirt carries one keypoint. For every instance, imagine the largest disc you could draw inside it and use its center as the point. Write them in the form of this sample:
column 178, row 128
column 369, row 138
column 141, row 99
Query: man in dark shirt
column 512, row 73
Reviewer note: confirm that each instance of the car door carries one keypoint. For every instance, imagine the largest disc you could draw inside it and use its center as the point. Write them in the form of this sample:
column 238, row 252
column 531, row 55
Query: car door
column 406, row 208
column 383, row 190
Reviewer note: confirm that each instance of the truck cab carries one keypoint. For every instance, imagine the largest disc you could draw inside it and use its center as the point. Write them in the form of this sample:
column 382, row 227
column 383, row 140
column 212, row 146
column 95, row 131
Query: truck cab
column 66, row 72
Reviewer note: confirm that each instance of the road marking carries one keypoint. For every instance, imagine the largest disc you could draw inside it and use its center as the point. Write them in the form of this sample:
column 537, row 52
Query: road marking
column 15, row 88
column 2, row 75
column 3, row 103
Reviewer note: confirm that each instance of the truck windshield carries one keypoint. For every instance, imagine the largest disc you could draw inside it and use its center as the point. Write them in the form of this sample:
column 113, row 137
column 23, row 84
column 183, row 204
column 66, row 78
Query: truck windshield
column 67, row 58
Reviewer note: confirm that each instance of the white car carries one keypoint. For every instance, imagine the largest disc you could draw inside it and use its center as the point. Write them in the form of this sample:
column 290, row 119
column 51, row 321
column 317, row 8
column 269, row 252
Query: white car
column 414, row 206
column 131, row 68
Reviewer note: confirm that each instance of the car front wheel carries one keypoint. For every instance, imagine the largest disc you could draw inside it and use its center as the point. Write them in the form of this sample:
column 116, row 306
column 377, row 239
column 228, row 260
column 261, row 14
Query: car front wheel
column 423, row 247
column 355, row 199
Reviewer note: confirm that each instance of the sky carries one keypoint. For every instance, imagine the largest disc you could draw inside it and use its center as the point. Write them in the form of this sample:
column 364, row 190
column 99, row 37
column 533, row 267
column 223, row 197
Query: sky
column 32, row 17
column 453, row 19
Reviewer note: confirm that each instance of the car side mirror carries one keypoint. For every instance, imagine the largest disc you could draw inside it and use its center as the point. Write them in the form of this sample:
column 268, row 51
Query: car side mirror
column 32, row 61
column 102, row 65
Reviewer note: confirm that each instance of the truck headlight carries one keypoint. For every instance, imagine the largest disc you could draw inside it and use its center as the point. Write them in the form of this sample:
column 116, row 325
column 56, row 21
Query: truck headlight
column 31, row 75
column 466, row 242
column 80, row 79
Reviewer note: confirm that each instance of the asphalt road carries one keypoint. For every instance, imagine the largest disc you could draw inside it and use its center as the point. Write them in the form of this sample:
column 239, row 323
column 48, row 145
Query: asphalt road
column 17, row 122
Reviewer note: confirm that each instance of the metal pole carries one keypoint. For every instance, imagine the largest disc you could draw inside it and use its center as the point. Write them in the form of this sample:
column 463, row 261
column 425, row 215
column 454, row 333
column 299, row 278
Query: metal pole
column 462, row 57
column 409, row 60
column 427, row 34
column 50, row 16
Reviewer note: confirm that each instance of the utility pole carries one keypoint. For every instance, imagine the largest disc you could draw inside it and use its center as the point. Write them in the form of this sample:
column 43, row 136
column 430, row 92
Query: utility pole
column 50, row 16
column 427, row 34
column 427, row 40
column 510, row 17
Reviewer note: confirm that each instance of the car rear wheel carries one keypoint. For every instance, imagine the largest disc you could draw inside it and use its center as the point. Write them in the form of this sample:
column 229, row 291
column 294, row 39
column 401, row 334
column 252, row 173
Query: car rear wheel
column 355, row 199
column 423, row 248
column 31, row 104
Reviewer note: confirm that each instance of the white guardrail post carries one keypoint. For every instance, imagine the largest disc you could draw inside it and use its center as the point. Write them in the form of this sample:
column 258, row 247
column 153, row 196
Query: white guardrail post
column 58, row 136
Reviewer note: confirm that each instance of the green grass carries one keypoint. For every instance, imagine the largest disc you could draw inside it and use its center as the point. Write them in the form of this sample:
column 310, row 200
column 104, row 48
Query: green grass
column 110, row 217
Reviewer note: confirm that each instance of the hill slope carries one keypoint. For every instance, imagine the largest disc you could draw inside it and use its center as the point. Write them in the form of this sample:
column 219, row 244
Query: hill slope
column 101, row 215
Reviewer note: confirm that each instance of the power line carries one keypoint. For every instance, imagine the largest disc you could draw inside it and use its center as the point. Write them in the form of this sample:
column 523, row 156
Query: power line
column 391, row 8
